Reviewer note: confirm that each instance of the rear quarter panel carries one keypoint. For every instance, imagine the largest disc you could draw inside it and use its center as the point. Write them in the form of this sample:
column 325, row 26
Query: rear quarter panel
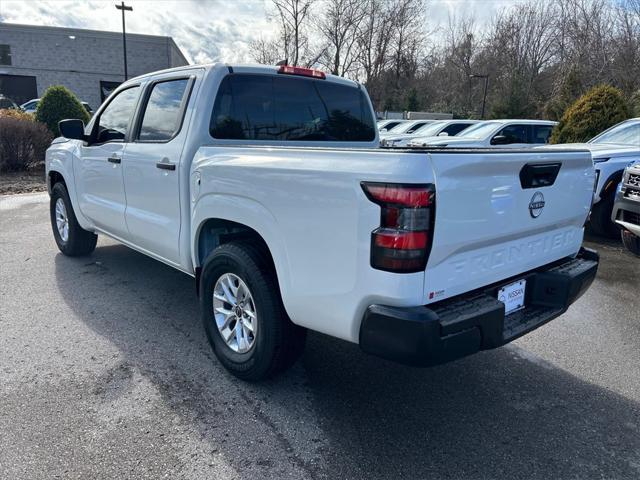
column 310, row 209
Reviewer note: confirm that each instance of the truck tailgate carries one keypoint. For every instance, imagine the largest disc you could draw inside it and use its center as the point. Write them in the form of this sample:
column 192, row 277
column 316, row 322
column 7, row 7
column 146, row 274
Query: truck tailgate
column 497, row 215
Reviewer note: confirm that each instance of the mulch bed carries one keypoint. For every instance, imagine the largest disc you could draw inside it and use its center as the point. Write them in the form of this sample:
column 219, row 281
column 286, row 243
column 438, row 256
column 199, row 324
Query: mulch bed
column 22, row 182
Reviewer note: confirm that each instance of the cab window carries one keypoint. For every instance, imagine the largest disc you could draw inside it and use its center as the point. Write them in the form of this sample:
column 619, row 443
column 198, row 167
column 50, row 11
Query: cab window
column 163, row 113
column 115, row 119
column 541, row 133
column 277, row 107
column 511, row 134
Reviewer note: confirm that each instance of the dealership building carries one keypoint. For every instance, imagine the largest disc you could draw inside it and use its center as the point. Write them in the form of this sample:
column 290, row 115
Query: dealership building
column 89, row 62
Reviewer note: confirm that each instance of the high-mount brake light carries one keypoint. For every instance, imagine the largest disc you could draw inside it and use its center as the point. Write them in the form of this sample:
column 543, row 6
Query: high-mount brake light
column 403, row 241
column 305, row 72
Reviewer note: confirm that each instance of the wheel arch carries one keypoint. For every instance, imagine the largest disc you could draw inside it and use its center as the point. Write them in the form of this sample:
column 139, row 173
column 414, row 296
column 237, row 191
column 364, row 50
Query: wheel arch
column 610, row 184
column 214, row 232
column 240, row 219
column 53, row 177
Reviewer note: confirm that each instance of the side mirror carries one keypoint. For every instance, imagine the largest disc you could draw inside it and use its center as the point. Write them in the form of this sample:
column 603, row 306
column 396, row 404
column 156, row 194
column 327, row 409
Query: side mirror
column 72, row 129
column 500, row 140
column 443, row 134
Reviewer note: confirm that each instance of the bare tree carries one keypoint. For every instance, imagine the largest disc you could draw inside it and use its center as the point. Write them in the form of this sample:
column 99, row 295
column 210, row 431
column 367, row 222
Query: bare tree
column 267, row 52
column 293, row 15
column 540, row 55
column 340, row 27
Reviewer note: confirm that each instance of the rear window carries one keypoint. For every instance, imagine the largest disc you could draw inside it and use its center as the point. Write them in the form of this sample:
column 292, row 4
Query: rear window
column 277, row 107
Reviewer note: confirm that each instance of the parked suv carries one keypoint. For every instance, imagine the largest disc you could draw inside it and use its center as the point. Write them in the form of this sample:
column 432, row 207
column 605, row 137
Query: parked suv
column 612, row 151
column 626, row 209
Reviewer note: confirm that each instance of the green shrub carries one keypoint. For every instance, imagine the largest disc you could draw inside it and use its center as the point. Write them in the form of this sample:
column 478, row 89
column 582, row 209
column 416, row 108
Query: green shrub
column 635, row 103
column 411, row 101
column 23, row 143
column 595, row 111
column 570, row 89
column 58, row 103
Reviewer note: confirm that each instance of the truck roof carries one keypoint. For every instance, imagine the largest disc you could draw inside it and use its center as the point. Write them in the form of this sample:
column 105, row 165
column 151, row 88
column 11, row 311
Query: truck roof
column 239, row 68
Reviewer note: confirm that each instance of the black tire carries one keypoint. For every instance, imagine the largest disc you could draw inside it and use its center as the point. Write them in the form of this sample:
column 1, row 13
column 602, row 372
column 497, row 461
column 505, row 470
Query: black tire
column 600, row 218
column 278, row 342
column 631, row 242
column 79, row 242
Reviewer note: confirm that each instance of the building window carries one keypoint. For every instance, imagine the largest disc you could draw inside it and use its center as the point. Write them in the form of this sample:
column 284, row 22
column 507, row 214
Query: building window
column 19, row 88
column 106, row 88
column 5, row 55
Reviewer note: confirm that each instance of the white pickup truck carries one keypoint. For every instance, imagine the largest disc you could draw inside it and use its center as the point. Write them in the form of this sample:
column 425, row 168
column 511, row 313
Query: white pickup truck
column 265, row 185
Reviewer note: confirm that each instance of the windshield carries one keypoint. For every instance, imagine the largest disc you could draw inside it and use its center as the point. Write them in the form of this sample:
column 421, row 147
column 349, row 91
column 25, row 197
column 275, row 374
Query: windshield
column 403, row 127
column 626, row 133
column 480, row 130
column 400, row 128
column 430, row 129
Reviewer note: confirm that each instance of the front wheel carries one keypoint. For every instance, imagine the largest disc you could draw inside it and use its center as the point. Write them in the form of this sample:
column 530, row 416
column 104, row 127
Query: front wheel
column 600, row 218
column 631, row 242
column 71, row 238
column 243, row 314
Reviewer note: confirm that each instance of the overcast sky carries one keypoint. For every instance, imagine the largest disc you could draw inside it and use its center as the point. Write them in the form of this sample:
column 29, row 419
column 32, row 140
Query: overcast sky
column 205, row 30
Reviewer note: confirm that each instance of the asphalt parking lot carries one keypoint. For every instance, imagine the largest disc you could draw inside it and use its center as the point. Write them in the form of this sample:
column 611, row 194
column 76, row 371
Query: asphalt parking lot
column 105, row 373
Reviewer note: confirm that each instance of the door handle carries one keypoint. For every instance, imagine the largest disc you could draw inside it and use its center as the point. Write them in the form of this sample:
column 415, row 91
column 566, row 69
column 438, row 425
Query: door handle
column 166, row 166
column 114, row 160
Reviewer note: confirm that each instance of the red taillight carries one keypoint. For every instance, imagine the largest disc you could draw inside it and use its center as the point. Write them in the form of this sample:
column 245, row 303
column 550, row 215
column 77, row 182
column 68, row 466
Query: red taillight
column 403, row 241
column 305, row 72
column 406, row 195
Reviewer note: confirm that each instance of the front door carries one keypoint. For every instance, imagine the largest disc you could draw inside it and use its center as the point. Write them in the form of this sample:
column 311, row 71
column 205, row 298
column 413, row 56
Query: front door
column 99, row 179
column 152, row 168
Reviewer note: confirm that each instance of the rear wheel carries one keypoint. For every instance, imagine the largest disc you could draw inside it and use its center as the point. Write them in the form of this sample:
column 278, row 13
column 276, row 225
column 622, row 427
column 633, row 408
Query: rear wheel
column 600, row 218
column 243, row 314
column 71, row 238
column 631, row 242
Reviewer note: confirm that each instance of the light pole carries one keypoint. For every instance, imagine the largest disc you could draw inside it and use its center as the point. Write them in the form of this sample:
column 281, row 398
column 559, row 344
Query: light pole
column 124, row 7
column 486, row 83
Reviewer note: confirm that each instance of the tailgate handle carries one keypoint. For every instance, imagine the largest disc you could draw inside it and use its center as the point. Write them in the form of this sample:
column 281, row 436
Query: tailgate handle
column 536, row 175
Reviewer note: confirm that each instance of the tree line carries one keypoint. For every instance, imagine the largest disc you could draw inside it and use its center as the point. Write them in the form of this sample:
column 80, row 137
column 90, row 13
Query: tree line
column 540, row 56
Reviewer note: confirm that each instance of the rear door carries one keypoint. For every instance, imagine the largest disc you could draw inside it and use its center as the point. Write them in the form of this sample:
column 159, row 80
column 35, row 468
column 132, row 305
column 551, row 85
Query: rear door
column 152, row 166
column 502, row 213
column 540, row 134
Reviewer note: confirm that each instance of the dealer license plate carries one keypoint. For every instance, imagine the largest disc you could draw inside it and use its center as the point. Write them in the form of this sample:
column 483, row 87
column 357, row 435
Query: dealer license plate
column 512, row 296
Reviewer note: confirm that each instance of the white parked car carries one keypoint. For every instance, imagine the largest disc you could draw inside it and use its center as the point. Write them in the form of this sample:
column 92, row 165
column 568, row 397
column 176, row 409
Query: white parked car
column 441, row 128
column 612, row 151
column 497, row 133
column 32, row 105
column 406, row 127
column 266, row 184
column 385, row 125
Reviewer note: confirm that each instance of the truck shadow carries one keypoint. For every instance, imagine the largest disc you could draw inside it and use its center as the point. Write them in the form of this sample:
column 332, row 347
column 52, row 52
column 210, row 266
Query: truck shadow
column 340, row 413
